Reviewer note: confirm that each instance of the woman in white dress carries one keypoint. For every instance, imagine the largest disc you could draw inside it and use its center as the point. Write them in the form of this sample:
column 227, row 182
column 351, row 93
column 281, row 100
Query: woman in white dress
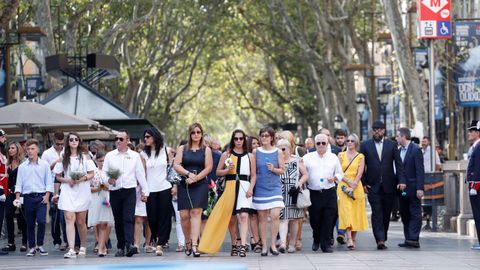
column 75, row 194
column 100, row 213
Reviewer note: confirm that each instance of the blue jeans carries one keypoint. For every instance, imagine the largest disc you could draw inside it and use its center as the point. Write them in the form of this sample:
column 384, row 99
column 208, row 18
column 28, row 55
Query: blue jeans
column 35, row 212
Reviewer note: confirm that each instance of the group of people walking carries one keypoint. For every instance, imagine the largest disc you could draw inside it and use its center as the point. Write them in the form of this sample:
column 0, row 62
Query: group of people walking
column 257, row 180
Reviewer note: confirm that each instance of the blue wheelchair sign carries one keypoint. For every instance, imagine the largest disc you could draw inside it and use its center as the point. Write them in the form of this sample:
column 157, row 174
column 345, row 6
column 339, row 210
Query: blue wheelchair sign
column 443, row 29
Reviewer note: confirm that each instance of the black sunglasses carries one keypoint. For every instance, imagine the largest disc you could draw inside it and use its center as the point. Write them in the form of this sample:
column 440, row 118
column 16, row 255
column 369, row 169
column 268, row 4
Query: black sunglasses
column 352, row 141
column 283, row 149
column 321, row 143
column 195, row 132
column 73, row 140
column 120, row 139
column 238, row 138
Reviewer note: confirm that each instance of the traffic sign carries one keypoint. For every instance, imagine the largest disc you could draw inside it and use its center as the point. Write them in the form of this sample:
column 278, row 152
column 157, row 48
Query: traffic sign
column 434, row 19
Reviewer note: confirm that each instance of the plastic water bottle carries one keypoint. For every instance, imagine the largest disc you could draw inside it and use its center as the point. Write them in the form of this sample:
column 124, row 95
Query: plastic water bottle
column 321, row 180
column 404, row 193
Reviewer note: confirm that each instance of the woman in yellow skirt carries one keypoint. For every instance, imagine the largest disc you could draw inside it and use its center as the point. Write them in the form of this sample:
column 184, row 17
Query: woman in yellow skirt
column 238, row 167
column 352, row 215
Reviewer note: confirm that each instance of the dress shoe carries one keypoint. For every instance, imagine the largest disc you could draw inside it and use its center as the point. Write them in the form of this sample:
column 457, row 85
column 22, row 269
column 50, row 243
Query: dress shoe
column 131, row 251
column 274, row 252
column 315, row 246
column 120, row 253
column 341, row 239
column 9, row 247
column 327, row 250
column 3, row 252
column 411, row 243
column 381, row 246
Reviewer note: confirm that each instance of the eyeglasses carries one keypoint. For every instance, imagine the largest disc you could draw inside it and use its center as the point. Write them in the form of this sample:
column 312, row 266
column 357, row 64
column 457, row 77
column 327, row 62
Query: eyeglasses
column 238, row 138
column 147, row 136
column 321, row 143
column 73, row 140
column 350, row 141
column 265, row 135
column 119, row 139
column 195, row 132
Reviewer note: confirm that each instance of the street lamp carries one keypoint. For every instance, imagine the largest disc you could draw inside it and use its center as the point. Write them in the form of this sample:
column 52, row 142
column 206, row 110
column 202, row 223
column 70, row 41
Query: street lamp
column 361, row 104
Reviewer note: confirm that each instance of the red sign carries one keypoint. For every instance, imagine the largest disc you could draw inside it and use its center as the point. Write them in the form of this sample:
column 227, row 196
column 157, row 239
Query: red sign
column 434, row 19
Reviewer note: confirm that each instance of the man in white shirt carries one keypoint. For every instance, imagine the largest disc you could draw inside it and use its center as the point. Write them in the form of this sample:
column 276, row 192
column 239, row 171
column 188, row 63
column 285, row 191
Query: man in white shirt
column 123, row 193
column 324, row 170
column 427, row 156
column 52, row 155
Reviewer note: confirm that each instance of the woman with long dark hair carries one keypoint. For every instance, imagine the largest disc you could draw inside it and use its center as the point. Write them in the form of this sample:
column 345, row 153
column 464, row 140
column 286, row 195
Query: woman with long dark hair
column 75, row 196
column 159, row 204
column 15, row 158
column 193, row 162
column 238, row 167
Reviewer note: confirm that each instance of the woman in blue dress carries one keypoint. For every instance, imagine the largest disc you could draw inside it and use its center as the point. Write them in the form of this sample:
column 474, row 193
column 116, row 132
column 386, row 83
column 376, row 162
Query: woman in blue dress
column 267, row 195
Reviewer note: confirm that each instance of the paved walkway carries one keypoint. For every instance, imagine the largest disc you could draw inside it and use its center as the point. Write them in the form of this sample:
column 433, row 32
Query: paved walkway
column 439, row 251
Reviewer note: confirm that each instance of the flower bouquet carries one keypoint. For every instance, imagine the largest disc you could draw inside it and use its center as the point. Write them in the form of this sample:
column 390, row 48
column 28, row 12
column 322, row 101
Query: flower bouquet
column 114, row 173
column 76, row 175
column 228, row 161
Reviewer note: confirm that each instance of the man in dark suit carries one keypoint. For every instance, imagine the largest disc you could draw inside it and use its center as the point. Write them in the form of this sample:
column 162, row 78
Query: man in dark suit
column 473, row 175
column 379, row 179
column 412, row 192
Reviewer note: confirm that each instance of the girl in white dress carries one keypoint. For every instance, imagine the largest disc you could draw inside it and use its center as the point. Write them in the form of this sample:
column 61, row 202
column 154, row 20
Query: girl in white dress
column 100, row 213
column 75, row 195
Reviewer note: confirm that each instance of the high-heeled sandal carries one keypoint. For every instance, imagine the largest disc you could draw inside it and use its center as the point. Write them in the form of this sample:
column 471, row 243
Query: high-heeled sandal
column 258, row 247
column 188, row 248
column 350, row 244
column 242, row 251
column 195, row 251
column 234, row 251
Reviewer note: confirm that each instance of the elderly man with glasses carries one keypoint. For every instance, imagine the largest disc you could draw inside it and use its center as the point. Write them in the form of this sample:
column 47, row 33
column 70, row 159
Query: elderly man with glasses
column 324, row 170
column 128, row 166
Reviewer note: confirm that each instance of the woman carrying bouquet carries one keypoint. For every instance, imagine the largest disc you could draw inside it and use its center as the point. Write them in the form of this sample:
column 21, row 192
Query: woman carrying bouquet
column 100, row 213
column 74, row 173
column 238, row 167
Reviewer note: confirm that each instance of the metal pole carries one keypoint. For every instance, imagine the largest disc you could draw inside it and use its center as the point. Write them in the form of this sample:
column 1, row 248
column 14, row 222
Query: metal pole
column 431, row 112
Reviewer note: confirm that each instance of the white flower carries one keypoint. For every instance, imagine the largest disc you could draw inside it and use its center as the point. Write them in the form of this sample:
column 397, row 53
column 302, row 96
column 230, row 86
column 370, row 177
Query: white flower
column 228, row 161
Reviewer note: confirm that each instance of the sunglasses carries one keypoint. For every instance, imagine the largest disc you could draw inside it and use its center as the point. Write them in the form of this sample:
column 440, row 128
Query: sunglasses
column 238, row 138
column 195, row 132
column 283, row 149
column 147, row 136
column 59, row 144
column 73, row 140
column 265, row 135
column 321, row 143
column 350, row 141
column 120, row 139
column 377, row 129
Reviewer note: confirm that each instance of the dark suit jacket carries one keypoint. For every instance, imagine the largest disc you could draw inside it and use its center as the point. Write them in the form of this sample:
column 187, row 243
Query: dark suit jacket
column 473, row 169
column 414, row 170
column 380, row 174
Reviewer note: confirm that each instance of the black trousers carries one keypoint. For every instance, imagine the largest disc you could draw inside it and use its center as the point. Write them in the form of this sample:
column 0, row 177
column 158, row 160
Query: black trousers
column 322, row 215
column 475, row 202
column 411, row 213
column 159, row 213
column 123, row 208
column 381, row 204
column 9, row 216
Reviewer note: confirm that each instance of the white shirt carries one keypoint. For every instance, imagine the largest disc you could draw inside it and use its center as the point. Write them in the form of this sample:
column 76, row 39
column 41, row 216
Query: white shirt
column 427, row 160
column 50, row 155
column 156, row 171
column 131, row 168
column 321, row 168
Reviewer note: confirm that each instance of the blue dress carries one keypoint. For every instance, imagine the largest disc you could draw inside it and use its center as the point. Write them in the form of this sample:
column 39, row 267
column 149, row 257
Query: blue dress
column 267, row 193
column 194, row 195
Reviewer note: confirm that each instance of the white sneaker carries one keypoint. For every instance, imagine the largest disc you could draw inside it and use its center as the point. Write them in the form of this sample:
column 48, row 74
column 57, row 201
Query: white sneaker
column 32, row 252
column 82, row 252
column 291, row 249
column 149, row 249
column 42, row 251
column 70, row 254
column 159, row 251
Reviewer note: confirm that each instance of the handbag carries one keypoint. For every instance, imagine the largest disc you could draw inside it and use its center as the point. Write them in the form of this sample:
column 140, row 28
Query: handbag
column 303, row 199
column 172, row 176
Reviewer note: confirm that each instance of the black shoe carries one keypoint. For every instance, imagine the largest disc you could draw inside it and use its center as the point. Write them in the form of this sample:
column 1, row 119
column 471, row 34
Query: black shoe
column 264, row 254
column 274, row 252
column 315, row 246
column 131, row 251
column 404, row 245
column 327, row 250
column 413, row 244
column 381, row 246
column 282, row 249
column 394, row 218
column 341, row 239
column 332, row 242
column 3, row 252
column 23, row 248
column 120, row 253
column 9, row 247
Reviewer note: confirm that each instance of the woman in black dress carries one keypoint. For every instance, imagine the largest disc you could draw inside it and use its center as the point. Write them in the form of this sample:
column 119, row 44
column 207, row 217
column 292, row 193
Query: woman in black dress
column 193, row 162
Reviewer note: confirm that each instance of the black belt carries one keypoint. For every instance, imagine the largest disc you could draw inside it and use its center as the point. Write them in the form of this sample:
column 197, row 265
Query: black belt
column 243, row 177
column 322, row 190
column 35, row 194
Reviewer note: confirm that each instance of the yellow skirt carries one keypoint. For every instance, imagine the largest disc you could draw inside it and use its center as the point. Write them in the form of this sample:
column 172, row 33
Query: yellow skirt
column 352, row 213
column 217, row 224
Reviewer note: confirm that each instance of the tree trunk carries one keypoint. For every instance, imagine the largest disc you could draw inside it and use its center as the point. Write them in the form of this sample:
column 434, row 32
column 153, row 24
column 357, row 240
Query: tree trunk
column 406, row 63
column 43, row 18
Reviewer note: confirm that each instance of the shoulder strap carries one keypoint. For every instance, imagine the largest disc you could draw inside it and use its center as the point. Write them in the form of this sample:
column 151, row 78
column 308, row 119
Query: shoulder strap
column 351, row 160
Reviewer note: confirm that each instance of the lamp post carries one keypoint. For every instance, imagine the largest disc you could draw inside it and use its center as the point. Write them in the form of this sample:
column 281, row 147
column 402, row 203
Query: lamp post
column 361, row 104
column 383, row 96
